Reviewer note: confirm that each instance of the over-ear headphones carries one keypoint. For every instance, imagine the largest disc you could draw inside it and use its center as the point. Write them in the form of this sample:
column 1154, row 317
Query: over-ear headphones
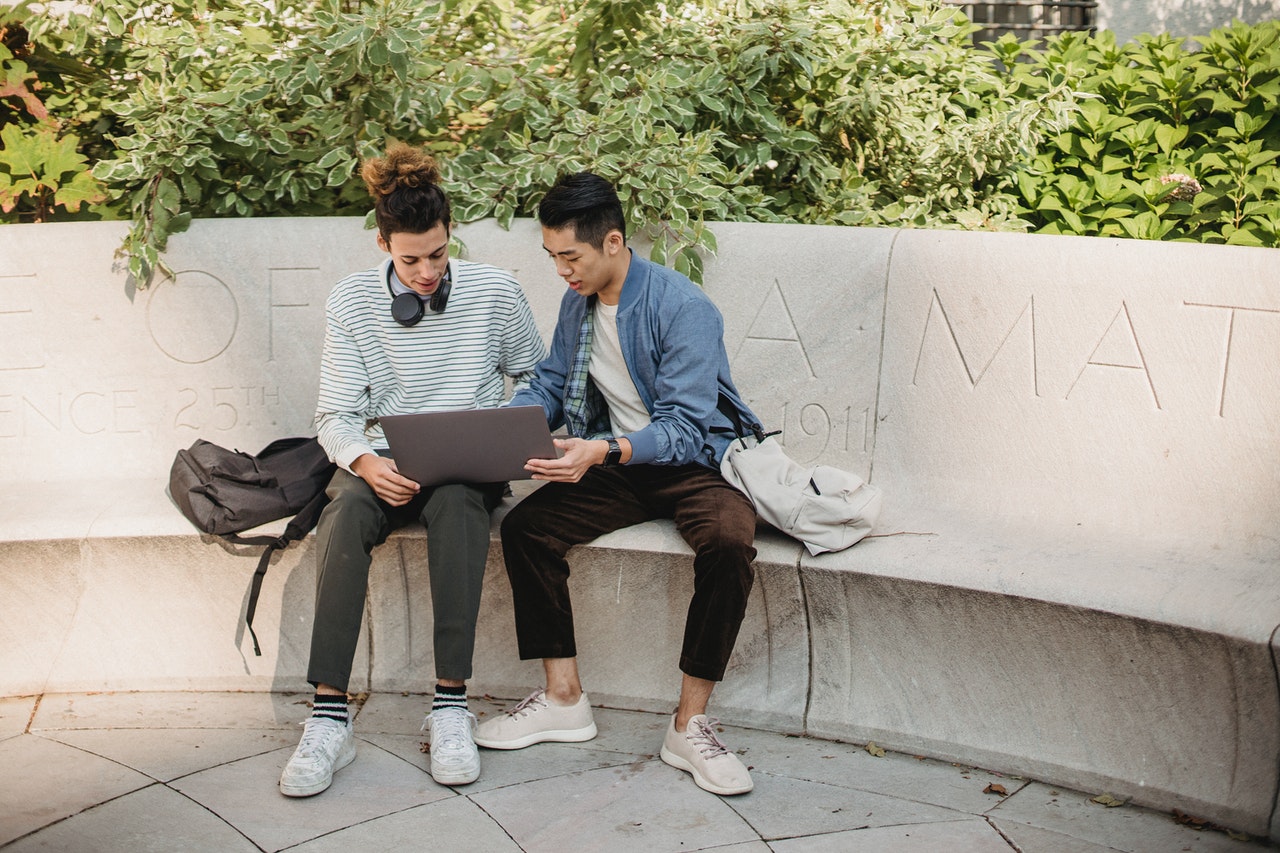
column 407, row 308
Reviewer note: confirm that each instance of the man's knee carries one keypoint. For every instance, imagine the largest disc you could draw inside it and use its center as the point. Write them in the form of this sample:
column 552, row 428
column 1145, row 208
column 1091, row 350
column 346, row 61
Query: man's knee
column 452, row 498
column 723, row 553
column 458, row 504
column 737, row 552
column 346, row 491
column 454, row 493
column 352, row 510
column 349, row 506
column 731, row 558
column 729, row 535
column 531, row 533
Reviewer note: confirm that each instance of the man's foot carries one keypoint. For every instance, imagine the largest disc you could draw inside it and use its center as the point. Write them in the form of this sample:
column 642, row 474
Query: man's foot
column 536, row 720
column 326, row 747
column 699, row 751
column 454, row 757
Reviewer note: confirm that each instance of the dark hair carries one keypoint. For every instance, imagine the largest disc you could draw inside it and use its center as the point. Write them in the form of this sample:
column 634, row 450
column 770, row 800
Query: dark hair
column 406, row 185
column 587, row 203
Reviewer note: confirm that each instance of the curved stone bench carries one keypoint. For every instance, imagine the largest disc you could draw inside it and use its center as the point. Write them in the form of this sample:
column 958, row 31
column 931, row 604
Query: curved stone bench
column 1075, row 577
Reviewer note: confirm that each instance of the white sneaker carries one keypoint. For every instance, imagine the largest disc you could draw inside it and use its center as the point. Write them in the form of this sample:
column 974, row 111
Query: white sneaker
column 535, row 720
column 454, row 757
column 699, row 751
column 326, row 747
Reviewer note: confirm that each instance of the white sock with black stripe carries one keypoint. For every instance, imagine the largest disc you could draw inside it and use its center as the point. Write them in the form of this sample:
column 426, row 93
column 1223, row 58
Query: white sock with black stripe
column 331, row 707
column 449, row 697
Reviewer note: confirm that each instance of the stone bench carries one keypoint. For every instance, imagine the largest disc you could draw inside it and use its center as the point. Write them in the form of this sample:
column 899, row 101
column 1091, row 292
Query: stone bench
column 1074, row 578
column 1081, row 437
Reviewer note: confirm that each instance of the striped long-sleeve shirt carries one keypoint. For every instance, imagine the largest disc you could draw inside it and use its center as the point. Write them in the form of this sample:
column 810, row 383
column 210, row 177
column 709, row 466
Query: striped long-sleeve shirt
column 372, row 366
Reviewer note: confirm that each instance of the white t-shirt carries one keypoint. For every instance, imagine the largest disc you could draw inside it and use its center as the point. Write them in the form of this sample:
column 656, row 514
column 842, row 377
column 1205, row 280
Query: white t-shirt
column 608, row 370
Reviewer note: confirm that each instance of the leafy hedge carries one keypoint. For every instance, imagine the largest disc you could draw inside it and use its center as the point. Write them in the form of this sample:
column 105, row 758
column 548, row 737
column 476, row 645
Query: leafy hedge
column 1168, row 143
column 837, row 112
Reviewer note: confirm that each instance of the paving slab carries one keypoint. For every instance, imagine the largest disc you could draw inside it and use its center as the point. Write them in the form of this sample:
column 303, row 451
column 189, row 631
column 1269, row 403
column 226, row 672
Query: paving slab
column 45, row 781
column 970, row 835
column 15, row 714
column 503, row 768
column 120, row 710
column 143, row 820
column 412, row 829
column 1033, row 839
column 780, row 807
column 246, row 795
column 1125, row 828
column 912, row 778
column 168, row 754
column 640, row 807
column 632, row 732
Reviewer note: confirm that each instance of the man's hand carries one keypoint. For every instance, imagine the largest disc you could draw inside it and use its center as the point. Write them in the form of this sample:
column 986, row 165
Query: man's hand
column 579, row 455
column 381, row 475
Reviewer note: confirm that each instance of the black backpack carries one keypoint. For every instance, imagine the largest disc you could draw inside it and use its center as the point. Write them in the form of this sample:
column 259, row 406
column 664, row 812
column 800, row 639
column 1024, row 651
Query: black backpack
column 224, row 492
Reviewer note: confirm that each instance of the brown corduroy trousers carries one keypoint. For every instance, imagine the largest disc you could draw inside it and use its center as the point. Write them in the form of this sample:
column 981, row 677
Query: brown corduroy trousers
column 717, row 521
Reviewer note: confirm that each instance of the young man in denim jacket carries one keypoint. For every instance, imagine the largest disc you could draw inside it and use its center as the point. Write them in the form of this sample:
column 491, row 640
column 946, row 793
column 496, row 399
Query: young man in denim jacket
column 636, row 366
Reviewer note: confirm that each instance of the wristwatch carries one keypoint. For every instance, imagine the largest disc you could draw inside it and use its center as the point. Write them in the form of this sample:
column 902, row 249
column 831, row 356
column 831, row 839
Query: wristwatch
column 614, row 456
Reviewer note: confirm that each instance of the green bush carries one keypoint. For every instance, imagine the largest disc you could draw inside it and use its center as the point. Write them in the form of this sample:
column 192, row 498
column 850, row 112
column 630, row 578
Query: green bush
column 41, row 166
column 837, row 112
column 854, row 112
column 833, row 113
column 1171, row 142
column 239, row 109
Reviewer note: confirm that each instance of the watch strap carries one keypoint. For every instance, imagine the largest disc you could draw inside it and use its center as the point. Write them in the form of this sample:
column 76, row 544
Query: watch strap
column 614, row 456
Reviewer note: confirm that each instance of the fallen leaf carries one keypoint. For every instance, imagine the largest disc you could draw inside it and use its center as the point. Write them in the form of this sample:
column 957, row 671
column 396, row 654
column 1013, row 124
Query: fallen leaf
column 995, row 788
column 1107, row 800
column 874, row 750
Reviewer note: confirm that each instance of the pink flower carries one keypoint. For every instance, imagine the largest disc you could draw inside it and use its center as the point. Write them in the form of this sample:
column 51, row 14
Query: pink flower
column 1188, row 186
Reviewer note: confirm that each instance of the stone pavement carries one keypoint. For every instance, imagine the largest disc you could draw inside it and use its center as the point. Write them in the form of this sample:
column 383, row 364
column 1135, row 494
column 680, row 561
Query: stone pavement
column 108, row 772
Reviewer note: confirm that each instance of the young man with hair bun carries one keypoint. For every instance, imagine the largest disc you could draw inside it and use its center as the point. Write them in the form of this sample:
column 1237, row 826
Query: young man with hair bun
column 421, row 332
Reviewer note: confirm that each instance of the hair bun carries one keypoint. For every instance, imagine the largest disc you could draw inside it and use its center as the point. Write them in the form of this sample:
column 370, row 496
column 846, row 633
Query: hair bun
column 402, row 167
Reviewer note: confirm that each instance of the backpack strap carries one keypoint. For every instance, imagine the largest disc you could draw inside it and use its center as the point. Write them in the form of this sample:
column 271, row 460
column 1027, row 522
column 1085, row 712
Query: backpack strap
column 734, row 414
column 296, row 529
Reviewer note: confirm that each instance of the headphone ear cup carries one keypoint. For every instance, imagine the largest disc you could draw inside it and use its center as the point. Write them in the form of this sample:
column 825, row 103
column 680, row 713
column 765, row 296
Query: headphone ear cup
column 440, row 298
column 406, row 309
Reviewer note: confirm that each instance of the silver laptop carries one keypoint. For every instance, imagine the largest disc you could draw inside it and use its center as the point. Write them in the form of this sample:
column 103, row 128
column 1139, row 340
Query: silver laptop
column 469, row 445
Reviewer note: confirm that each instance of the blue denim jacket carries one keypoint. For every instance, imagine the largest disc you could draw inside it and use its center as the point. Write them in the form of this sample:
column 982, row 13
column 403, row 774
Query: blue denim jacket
column 672, row 339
